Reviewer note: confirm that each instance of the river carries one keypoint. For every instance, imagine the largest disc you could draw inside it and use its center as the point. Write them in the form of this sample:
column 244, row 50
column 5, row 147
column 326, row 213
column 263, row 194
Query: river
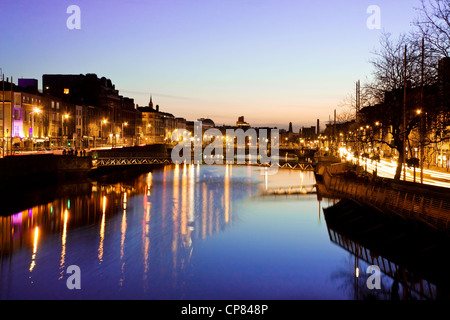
column 182, row 232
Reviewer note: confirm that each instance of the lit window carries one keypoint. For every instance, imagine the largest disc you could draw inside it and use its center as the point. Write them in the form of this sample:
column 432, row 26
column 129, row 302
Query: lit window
column 66, row 90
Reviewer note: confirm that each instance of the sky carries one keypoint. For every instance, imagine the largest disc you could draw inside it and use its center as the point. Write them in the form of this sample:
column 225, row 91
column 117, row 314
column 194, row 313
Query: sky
column 271, row 61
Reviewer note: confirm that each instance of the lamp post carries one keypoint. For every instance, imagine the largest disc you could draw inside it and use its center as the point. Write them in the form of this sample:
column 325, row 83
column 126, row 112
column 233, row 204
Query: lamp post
column 421, row 138
column 64, row 116
column 35, row 110
column 123, row 124
column 149, row 132
column 104, row 121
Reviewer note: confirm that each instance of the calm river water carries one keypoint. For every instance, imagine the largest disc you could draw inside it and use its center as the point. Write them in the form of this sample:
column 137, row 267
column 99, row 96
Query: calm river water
column 182, row 232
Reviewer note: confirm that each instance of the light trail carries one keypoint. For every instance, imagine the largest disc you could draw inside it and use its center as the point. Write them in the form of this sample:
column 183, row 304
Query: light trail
column 386, row 168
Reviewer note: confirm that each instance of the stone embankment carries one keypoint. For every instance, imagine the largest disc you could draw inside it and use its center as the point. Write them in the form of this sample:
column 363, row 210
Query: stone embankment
column 420, row 203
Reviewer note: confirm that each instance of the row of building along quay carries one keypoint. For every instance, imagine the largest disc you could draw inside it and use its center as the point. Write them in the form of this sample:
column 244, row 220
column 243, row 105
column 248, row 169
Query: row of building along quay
column 85, row 111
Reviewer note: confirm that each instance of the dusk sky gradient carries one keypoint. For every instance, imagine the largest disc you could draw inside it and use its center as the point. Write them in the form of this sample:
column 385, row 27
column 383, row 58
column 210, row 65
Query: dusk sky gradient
column 272, row 61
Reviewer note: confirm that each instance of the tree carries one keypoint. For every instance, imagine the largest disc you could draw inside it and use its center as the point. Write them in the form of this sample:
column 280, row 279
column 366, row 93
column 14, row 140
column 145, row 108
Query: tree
column 433, row 24
column 397, row 66
column 347, row 107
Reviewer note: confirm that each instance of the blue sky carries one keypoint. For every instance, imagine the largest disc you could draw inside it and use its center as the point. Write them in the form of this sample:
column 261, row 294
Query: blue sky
column 272, row 61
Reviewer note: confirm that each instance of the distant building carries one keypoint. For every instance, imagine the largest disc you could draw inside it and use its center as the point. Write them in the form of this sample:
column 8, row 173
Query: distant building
column 241, row 122
column 207, row 123
column 29, row 84
column 115, row 117
column 158, row 126
column 308, row 133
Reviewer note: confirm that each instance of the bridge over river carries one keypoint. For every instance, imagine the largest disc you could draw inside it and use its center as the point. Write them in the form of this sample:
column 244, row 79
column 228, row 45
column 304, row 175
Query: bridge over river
column 160, row 155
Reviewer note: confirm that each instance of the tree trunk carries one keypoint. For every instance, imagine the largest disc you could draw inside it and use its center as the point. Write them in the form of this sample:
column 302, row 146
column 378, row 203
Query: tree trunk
column 398, row 171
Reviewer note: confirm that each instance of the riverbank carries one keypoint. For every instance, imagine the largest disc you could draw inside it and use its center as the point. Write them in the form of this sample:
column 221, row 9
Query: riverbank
column 419, row 203
column 31, row 169
column 36, row 179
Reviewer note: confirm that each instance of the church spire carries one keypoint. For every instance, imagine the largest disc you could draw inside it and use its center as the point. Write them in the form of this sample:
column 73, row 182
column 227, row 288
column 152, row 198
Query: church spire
column 150, row 104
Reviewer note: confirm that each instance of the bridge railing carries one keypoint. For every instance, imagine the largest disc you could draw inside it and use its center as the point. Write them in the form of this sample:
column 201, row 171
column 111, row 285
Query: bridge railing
column 137, row 159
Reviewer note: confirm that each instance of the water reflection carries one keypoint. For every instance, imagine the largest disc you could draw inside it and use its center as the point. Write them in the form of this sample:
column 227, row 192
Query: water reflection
column 411, row 257
column 172, row 206
column 191, row 231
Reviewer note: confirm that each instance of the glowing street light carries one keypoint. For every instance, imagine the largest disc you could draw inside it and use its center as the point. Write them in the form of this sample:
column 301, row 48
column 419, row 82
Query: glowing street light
column 124, row 124
column 36, row 110
column 104, row 121
column 66, row 117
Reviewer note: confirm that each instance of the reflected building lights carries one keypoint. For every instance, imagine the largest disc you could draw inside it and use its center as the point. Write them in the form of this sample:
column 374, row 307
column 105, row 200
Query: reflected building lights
column 198, row 210
column 211, row 213
column 146, row 240
column 163, row 211
column 176, row 177
column 63, row 245
column 102, row 231
column 125, row 200
column 191, row 189
column 184, row 194
column 123, row 230
column 227, row 193
column 204, row 209
column 35, row 245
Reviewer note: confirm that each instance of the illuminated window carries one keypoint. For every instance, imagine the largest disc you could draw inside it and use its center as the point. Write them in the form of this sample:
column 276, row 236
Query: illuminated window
column 66, row 90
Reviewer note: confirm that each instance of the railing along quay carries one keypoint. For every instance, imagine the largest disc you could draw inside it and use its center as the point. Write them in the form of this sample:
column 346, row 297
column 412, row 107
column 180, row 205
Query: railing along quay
column 433, row 210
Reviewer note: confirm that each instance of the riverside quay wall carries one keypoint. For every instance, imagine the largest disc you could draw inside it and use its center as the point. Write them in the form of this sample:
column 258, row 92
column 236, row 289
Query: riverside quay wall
column 42, row 169
column 425, row 204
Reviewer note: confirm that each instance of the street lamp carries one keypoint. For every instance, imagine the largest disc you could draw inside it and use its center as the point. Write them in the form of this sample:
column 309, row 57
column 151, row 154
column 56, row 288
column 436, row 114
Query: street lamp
column 35, row 110
column 104, row 121
column 64, row 116
column 421, row 138
column 123, row 124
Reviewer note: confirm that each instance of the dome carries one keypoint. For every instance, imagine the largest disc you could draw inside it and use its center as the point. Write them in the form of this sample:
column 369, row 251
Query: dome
column 207, row 122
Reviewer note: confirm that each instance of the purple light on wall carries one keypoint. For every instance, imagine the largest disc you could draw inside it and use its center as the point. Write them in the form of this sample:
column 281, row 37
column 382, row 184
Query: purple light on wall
column 16, row 218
